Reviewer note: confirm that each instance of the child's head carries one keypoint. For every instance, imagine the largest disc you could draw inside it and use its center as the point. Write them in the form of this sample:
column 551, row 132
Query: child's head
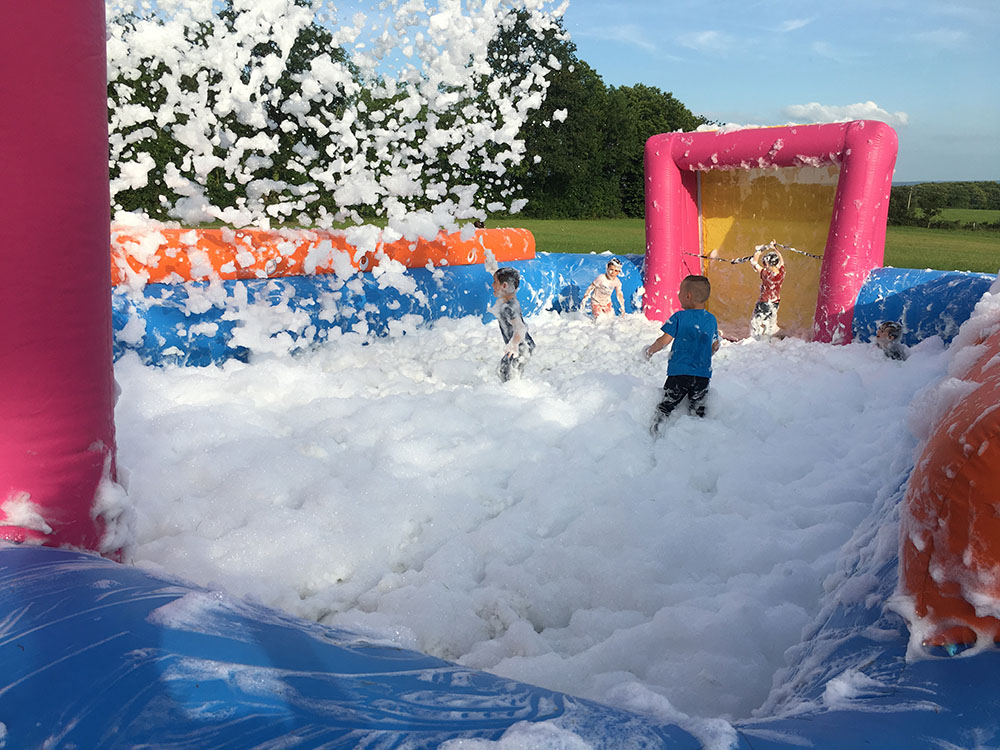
column 614, row 267
column 771, row 258
column 694, row 291
column 890, row 330
column 506, row 280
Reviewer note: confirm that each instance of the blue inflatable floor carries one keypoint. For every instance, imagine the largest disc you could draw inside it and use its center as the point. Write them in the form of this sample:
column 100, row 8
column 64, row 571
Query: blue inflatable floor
column 853, row 671
column 100, row 655
column 94, row 654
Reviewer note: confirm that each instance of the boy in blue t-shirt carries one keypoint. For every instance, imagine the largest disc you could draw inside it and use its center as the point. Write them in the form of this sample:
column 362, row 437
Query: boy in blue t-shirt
column 695, row 334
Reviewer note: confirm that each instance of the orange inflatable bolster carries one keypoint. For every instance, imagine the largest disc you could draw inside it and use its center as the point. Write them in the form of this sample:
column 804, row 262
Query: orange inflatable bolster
column 177, row 255
column 951, row 541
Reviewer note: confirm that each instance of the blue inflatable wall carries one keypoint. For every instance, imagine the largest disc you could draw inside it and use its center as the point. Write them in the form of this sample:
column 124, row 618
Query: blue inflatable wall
column 927, row 303
column 194, row 323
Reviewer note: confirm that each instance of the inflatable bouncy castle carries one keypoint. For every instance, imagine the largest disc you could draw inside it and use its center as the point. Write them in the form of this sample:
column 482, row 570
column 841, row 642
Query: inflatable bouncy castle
column 96, row 653
column 823, row 189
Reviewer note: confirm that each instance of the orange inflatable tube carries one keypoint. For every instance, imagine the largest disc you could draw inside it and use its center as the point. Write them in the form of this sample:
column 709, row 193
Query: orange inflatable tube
column 950, row 546
column 177, row 255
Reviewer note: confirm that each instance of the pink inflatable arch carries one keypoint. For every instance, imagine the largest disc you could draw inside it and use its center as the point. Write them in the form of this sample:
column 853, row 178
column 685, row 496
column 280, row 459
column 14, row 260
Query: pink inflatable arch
column 57, row 395
column 866, row 153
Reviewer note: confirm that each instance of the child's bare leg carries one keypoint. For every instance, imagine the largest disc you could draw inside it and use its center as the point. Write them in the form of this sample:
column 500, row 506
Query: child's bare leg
column 598, row 309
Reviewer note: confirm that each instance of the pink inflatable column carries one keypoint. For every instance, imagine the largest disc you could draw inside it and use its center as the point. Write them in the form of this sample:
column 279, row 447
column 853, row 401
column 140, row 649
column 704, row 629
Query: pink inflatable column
column 855, row 243
column 671, row 222
column 56, row 380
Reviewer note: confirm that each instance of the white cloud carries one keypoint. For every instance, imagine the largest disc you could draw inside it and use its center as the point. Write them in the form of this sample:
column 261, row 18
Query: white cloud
column 975, row 13
column 630, row 34
column 816, row 112
column 793, row 24
column 832, row 52
column 948, row 38
column 705, row 41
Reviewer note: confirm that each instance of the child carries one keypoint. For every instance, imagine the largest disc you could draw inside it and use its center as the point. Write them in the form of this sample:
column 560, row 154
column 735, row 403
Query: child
column 887, row 339
column 515, row 333
column 771, row 266
column 695, row 334
column 601, row 289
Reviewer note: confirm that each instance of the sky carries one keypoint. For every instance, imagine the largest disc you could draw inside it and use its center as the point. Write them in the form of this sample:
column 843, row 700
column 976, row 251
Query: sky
column 928, row 68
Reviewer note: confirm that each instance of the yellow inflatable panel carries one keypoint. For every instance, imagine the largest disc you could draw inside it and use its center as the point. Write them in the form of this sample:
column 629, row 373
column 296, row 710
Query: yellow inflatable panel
column 741, row 209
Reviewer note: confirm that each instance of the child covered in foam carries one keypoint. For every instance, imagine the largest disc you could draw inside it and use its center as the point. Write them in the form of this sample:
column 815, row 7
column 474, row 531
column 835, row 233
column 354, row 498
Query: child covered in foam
column 600, row 290
column 519, row 344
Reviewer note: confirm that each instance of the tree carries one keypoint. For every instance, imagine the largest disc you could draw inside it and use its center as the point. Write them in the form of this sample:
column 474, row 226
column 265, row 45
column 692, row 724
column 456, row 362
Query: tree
column 140, row 149
column 561, row 173
column 901, row 207
column 585, row 144
column 179, row 129
column 635, row 113
column 932, row 202
column 572, row 176
column 229, row 112
column 292, row 146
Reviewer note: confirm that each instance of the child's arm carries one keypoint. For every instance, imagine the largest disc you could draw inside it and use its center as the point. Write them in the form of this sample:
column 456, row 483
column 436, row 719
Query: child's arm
column 618, row 293
column 657, row 345
column 490, row 262
column 590, row 290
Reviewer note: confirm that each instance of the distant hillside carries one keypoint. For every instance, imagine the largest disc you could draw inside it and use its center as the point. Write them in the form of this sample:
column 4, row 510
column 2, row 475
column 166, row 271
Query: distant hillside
column 921, row 203
column 943, row 182
column 949, row 194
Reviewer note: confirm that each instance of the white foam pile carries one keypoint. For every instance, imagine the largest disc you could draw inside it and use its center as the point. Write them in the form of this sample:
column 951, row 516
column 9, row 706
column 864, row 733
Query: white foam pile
column 532, row 529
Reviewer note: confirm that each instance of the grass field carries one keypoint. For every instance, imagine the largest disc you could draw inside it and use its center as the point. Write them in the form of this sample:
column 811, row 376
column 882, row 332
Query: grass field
column 905, row 247
column 971, row 215
column 944, row 249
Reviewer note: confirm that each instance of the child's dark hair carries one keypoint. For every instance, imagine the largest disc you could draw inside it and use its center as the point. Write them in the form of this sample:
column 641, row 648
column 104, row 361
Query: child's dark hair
column 700, row 285
column 508, row 275
column 892, row 329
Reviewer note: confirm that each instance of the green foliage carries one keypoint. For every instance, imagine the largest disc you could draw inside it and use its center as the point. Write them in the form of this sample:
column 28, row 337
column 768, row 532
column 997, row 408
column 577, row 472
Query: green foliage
column 279, row 160
column 582, row 155
column 563, row 173
column 927, row 204
column 572, row 177
column 634, row 114
column 971, row 217
column 585, row 145
column 138, row 90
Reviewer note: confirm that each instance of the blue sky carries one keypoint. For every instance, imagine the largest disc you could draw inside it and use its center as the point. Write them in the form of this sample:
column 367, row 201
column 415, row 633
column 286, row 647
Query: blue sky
column 930, row 69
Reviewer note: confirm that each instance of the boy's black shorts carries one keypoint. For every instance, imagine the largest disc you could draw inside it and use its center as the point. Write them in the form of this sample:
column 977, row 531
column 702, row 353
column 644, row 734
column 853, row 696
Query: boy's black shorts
column 677, row 388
